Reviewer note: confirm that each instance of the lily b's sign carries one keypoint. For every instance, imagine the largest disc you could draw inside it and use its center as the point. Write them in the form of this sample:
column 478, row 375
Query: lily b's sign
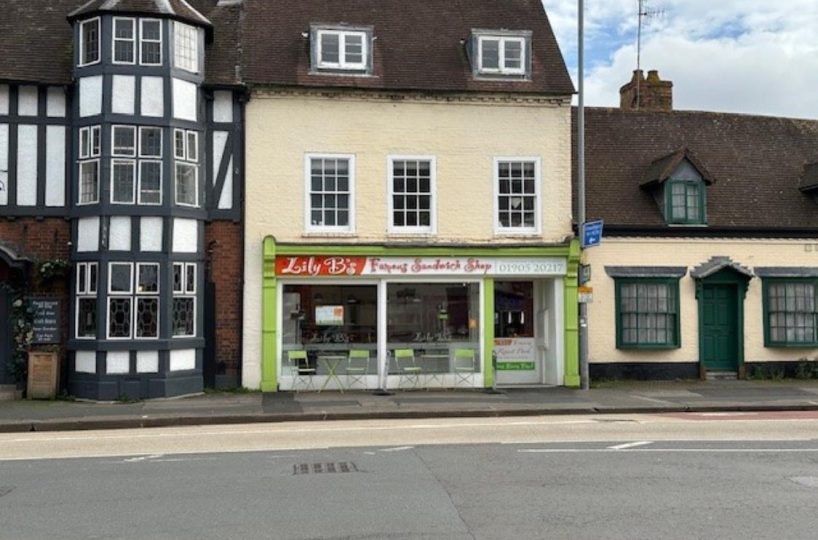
column 341, row 266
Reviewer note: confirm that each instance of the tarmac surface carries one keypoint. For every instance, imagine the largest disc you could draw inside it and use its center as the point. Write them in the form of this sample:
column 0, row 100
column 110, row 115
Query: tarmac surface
column 236, row 408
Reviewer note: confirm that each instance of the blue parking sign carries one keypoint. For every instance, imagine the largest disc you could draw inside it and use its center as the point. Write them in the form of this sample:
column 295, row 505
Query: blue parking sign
column 591, row 234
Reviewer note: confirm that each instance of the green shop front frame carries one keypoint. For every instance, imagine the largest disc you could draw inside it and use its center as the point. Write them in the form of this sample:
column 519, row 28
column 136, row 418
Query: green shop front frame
column 308, row 263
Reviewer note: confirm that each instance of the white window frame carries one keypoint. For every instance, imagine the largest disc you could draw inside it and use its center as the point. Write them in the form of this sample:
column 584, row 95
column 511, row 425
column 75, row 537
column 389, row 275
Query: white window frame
column 187, row 136
column 134, row 176
column 119, row 295
column 139, row 183
column 183, row 292
column 95, row 200
column 342, row 62
column 308, row 226
column 87, row 148
column 142, row 62
column 519, row 231
column 395, row 229
column 114, row 129
column 186, row 32
column 501, row 51
column 80, row 60
column 134, row 42
column 84, row 291
column 161, row 142
column 147, row 295
column 195, row 168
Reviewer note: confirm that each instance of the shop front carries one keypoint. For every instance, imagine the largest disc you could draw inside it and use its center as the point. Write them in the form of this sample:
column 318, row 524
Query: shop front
column 374, row 317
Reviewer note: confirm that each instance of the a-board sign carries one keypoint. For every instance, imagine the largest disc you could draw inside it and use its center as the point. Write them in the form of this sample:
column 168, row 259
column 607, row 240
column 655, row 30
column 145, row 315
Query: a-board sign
column 46, row 320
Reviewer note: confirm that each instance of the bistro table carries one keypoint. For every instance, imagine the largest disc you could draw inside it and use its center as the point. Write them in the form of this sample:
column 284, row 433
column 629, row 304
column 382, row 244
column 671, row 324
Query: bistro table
column 331, row 361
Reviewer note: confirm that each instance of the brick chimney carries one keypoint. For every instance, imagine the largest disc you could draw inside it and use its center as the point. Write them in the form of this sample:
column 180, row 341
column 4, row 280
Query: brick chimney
column 654, row 93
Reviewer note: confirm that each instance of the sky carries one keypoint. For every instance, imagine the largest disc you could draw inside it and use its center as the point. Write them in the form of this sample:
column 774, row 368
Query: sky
column 740, row 56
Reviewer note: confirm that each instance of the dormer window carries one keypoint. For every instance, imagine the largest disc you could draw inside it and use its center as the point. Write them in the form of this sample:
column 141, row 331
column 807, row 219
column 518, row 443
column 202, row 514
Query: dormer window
column 685, row 201
column 501, row 53
column 89, row 42
column 678, row 182
column 341, row 49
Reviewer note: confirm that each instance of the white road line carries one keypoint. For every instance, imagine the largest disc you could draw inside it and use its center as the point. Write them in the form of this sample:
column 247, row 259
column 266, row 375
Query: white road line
column 629, row 445
column 397, row 449
column 142, row 458
column 667, row 450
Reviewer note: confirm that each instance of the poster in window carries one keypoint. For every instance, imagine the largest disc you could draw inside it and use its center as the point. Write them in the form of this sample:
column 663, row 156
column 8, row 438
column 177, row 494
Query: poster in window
column 329, row 315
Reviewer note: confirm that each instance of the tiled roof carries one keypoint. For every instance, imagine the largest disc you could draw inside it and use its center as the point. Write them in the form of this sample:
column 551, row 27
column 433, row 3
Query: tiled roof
column 757, row 163
column 179, row 9
column 809, row 179
column 717, row 264
column 419, row 44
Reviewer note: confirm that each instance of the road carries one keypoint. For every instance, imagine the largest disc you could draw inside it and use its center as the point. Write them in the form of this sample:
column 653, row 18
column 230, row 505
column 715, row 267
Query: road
column 626, row 476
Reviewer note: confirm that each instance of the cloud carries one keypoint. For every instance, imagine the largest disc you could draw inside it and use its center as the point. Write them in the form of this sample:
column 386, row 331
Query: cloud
column 747, row 56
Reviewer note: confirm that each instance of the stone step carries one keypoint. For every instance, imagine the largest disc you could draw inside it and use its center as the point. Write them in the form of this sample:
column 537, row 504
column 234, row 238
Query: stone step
column 721, row 376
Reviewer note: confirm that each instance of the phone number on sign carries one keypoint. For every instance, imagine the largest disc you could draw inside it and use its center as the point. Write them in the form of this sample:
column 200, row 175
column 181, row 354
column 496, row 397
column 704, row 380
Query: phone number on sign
column 530, row 267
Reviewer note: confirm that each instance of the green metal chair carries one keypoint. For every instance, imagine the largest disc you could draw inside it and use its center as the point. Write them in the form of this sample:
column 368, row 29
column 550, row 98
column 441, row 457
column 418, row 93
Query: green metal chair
column 301, row 370
column 406, row 367
column 465, row 367
column 357, row 367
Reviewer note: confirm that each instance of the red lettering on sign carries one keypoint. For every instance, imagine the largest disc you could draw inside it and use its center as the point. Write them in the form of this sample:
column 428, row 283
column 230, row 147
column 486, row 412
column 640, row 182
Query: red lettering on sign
column 319, row 266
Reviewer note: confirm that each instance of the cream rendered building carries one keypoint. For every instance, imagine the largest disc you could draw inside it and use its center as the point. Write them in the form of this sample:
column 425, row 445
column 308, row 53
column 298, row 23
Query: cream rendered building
column 709, row 263
column 408, row 218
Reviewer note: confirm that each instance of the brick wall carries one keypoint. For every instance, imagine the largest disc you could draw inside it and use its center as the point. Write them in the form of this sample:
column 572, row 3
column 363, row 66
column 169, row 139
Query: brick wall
column 42, row 240
column 224, row 242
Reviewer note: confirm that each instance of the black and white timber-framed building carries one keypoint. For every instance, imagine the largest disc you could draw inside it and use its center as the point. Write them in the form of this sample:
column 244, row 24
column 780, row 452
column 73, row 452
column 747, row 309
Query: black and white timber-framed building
column 117, row 129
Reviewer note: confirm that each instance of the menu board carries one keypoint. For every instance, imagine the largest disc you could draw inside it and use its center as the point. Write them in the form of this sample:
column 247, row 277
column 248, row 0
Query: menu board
column 46, row 321
column 329, row 315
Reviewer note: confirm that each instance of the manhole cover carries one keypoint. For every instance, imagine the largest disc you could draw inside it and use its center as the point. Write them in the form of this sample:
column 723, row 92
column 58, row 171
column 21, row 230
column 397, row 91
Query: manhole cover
column 5, row 490
column 318, row 468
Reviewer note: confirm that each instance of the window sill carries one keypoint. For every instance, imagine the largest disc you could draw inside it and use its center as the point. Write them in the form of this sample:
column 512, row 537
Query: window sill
column 647, row 347
column 329, row 234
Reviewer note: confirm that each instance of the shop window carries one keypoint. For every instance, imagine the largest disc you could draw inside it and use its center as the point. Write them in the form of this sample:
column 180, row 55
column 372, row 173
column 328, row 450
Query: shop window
column 790, row 312
column 411, row 185
column 433, row 320
column 329, row 321
column 184, row 300
column 330, row 186
column 86, row 296
column 89, row 42
column 647, row 313
column 517, row 184
column 185, row 47
column 124, row 40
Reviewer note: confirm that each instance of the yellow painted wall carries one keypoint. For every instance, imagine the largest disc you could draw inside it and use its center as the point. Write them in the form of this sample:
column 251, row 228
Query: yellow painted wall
column 464, row 136
column 690, row 253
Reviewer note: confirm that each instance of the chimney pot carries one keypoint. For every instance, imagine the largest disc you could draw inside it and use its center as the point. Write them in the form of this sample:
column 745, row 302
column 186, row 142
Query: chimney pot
column 652, row 94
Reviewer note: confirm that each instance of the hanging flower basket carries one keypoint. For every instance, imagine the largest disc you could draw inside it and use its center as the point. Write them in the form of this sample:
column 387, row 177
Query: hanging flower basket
column 53, row 269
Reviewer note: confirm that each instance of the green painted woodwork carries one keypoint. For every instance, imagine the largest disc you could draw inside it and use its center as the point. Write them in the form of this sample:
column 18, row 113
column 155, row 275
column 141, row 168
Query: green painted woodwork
column 673, row 338
column 571, row 317
column 694, row 194
column 719, row 327
column 808, row 313
column 721, row 320
column 269, row 310
column 272, row 249
column 488, row 332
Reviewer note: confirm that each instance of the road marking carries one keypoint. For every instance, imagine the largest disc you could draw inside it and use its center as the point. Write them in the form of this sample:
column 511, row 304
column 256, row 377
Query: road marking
column 142, row 458
column 667, row 450
column 397, row 449
column 625, row 446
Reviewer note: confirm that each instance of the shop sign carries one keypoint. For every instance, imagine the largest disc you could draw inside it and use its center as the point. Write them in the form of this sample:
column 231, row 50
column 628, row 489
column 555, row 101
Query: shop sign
column 341, row 266
column 515, row 354
column 46, row 324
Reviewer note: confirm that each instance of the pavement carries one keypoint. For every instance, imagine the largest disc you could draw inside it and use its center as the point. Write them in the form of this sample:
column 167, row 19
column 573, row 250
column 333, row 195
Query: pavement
column 250, row 407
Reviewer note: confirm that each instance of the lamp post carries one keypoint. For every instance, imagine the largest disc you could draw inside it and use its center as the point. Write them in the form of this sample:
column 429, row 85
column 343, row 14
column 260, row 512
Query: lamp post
column 583, row 307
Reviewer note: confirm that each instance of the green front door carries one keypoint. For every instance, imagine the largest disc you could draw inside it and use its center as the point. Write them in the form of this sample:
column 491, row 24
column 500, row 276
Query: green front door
column 719, row 327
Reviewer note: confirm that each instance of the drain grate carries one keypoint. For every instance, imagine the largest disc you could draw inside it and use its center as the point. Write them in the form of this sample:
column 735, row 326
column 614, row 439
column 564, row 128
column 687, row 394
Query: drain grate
column 5, row 490
column 318, row 468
